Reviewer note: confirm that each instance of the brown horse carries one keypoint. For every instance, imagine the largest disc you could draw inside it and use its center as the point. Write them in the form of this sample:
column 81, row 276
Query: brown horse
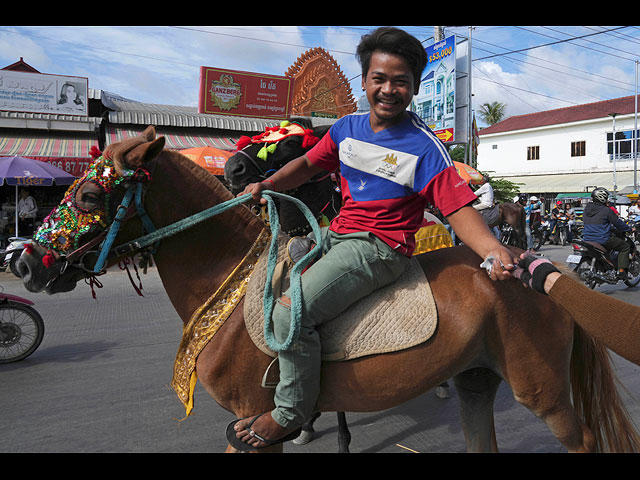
column 514, row 215
column 487, row 331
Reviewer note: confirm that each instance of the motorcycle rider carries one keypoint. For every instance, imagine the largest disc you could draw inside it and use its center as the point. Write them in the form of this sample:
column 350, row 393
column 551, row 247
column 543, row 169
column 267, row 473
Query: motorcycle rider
column 533, row 213
column 634, row 210
column 555, row 213
column 600, row 226
column 571, row 217
column 486, row 201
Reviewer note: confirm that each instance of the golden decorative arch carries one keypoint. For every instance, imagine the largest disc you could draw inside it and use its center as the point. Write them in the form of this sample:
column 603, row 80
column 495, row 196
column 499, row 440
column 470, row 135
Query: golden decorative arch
column 320, row 88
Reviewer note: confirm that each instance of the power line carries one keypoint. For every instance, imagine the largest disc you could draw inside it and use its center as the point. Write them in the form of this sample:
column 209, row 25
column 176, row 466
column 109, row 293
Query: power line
column 551, row 43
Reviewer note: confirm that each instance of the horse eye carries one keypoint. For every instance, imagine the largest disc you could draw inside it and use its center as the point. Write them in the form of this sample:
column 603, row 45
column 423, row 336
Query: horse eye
column 89, row 199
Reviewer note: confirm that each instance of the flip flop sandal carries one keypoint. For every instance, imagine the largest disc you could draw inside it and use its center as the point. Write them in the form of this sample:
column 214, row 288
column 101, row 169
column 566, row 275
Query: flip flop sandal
column 235, row 442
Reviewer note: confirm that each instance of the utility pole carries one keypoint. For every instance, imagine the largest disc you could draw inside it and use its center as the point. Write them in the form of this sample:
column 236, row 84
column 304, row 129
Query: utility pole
column 438, row 34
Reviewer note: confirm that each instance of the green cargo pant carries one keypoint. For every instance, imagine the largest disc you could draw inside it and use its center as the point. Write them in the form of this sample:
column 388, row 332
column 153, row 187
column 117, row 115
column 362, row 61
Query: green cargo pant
column 352, row 266
column 620, row 244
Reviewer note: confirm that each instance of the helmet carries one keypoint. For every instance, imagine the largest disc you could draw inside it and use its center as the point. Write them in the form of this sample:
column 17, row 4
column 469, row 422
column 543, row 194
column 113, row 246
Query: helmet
column 600, row 194
column 559, row 203
column 522, row 199
column 533, row 198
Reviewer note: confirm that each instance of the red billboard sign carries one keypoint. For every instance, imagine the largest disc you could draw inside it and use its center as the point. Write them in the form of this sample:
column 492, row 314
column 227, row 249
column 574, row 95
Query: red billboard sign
column 245, row 94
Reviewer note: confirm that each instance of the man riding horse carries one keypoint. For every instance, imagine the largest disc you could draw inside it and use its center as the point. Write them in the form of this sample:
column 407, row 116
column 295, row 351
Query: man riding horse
column 391, row 165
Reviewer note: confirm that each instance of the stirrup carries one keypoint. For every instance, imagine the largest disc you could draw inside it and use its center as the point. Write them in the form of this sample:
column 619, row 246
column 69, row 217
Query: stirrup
column 298, row 247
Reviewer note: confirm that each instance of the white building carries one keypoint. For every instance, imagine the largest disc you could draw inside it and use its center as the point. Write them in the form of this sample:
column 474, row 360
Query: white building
column 564, row 151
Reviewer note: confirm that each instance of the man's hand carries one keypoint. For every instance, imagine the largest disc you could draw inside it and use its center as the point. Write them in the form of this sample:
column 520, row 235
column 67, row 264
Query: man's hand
column 256, row 189
column 470, row 227
column 499, row 263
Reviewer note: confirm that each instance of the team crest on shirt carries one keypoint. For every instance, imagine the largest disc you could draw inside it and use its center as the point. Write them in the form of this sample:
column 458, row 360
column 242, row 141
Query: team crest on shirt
column 388, row 166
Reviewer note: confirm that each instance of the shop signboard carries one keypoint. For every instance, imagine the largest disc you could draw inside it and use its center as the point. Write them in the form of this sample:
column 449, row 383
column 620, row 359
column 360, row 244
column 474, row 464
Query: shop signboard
column 244, row 94
column 43, row 93
column 435, row 102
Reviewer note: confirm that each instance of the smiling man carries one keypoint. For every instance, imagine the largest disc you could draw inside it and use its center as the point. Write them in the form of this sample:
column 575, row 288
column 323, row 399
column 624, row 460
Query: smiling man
column 391, row 164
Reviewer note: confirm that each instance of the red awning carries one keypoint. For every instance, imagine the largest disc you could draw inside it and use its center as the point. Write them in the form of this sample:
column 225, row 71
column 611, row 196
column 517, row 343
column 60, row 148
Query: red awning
column 69, row 152
column 187, row 138
column 45, row 145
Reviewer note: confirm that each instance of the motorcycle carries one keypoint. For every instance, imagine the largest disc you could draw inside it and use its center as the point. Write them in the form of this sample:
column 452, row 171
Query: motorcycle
column 540, row 231
column 21, row 328
column 9, row 256
column 596, row 265
column 560, row 234
column 508, row 235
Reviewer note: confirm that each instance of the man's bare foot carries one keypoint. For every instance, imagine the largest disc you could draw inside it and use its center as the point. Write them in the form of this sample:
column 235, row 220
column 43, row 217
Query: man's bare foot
column 262, row 431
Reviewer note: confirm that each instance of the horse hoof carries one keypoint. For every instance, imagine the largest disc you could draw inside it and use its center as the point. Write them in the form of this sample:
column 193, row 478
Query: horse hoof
column 304, row 438
column 443, row 392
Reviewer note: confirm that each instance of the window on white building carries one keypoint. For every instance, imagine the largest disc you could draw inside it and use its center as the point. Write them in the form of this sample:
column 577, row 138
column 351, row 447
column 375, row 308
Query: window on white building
column 533, row 153
column 578, row 149
column 624, row 143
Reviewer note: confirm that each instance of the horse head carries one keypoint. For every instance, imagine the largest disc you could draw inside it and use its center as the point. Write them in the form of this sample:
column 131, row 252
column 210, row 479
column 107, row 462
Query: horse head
column 260, row 156
column 63, row 250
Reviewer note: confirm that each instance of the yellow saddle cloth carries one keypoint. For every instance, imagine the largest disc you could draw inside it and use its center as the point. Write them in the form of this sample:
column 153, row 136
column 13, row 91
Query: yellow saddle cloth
column 395, row 317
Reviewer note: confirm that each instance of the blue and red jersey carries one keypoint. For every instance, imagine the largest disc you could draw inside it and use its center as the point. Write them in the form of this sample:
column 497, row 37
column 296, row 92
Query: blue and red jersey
column 388, row 177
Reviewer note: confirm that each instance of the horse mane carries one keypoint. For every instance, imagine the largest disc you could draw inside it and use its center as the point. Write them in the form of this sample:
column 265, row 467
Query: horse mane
column 180, row 188
column 204, row 184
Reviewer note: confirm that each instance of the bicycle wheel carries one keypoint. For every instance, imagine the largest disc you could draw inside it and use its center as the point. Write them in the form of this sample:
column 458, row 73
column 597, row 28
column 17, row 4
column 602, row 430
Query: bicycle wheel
column 21, row 331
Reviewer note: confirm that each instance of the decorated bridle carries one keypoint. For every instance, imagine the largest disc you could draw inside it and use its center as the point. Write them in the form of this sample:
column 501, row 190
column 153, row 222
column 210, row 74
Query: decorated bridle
column 65, row 226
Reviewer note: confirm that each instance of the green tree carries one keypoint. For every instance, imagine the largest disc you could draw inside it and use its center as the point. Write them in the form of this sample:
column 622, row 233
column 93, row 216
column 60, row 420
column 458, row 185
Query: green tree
column 491, row 113
column 504, row 190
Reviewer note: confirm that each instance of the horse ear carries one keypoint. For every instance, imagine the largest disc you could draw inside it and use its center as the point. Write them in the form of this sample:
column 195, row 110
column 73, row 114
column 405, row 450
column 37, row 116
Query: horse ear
column 149, row 133
column 145, row 153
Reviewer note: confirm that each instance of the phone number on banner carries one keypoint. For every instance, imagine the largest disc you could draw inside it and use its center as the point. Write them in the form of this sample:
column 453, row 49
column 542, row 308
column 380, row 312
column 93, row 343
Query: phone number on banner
column 74, row 167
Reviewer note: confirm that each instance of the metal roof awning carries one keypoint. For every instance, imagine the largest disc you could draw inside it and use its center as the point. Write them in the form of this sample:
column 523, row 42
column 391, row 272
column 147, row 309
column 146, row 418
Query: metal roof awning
column 571, row 182
column 178, row 139
column 46, row 144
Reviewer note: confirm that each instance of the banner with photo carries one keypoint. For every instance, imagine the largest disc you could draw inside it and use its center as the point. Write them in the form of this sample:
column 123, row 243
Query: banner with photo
column 43, row 93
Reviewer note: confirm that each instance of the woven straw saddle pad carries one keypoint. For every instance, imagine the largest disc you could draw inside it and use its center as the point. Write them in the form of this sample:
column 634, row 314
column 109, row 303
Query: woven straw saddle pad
column 395, row 317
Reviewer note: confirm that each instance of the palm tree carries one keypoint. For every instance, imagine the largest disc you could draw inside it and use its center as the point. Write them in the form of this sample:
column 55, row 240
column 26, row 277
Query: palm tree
column 492, row 112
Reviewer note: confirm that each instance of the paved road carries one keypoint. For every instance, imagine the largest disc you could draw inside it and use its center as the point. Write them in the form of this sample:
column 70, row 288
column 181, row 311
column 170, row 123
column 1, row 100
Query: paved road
column 100, row 383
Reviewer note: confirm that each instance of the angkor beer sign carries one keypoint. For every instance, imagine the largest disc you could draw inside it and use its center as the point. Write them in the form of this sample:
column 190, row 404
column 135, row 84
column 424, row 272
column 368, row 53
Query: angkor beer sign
column 244, row 94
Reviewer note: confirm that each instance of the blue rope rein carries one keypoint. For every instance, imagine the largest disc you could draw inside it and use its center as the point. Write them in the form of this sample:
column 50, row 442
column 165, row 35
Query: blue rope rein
column 274, row 222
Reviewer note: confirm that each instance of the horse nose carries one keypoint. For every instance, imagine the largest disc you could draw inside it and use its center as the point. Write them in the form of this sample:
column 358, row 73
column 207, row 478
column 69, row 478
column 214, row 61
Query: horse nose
column 233, row 169
column 22, row 268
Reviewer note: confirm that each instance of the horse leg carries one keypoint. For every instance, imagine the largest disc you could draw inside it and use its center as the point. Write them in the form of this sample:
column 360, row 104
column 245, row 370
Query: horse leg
column 442, row 390
column 476, row 390
column 344, row 436
column 562, row 420
column 306, row 435
column 546, row 391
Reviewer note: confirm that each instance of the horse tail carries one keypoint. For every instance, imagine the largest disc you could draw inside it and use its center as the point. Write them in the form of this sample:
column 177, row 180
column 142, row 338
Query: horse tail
column 596, row 398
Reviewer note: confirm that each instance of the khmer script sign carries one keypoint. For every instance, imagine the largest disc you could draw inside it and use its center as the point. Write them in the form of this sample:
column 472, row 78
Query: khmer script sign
column 245, row 94
column 43, row 93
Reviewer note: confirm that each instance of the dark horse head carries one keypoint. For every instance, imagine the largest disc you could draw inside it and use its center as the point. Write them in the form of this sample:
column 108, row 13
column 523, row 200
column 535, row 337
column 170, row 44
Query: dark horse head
column 262, row 155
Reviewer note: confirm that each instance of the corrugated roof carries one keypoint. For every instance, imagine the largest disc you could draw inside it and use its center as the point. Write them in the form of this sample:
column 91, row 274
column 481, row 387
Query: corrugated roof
column 587, row 111
column 127, row 111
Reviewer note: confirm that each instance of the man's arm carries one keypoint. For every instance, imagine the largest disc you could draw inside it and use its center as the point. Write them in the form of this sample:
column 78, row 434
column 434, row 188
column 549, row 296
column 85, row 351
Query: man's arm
column 290, row 176
column 470, row 227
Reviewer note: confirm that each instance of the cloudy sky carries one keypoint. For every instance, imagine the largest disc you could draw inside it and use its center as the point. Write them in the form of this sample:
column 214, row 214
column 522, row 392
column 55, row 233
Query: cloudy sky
column 527, row 68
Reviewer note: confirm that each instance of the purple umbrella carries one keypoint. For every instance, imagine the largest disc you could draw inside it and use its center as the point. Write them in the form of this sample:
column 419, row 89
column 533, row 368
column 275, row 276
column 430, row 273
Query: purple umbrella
column 27, row 172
